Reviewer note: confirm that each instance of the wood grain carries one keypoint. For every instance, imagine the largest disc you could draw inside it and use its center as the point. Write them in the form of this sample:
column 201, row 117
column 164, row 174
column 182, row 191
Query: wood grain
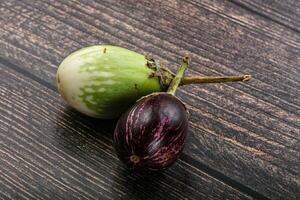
column 246, row 134
column 284, row 13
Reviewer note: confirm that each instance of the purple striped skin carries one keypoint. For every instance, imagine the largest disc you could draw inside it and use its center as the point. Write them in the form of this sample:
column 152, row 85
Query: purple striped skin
column 151, row 134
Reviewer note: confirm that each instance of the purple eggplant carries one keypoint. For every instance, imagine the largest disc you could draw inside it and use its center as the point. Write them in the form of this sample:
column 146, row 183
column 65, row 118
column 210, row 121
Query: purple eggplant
column 151, row 135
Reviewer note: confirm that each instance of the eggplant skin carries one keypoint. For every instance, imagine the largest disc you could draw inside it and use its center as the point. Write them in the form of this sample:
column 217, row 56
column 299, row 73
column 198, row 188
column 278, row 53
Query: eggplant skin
column 151, row 135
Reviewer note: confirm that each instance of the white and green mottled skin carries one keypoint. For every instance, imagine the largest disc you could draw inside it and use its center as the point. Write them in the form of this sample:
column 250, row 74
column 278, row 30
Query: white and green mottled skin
column 102, row 81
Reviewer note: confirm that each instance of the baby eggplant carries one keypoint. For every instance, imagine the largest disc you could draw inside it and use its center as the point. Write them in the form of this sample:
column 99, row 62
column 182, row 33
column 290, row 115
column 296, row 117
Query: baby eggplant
column 151, row 134
column 103, row 81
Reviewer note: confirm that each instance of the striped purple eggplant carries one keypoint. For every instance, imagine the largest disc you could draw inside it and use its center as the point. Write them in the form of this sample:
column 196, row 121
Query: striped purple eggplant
column 151, row 135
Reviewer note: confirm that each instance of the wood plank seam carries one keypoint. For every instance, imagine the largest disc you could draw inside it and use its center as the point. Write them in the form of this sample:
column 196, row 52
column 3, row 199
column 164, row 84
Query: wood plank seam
column 247, row 26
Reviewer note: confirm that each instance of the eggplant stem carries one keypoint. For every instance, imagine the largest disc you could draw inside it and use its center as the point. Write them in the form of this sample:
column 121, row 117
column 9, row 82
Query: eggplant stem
column 213, row 79
column 177, row 79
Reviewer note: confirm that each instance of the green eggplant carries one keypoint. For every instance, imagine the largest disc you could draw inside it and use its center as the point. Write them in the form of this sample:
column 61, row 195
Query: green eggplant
column 102, row 81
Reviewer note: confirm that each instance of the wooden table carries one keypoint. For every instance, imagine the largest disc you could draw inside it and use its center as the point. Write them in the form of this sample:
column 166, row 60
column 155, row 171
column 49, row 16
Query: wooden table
column 243, row 137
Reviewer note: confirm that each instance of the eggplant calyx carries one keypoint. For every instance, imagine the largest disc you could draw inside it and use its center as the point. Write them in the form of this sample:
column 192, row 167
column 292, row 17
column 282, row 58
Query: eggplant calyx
column 164, row 75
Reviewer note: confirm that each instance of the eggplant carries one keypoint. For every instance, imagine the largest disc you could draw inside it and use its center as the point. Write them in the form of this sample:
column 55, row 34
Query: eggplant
column 151, row 135
column 103, row 81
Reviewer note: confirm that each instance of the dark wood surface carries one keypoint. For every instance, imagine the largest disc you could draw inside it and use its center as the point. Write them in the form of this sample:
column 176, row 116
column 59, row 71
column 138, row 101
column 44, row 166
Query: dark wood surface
column 244, row 138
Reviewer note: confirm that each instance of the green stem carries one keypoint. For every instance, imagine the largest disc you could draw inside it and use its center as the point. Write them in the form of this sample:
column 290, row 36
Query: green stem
column 213, row 79
column 176, row 81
